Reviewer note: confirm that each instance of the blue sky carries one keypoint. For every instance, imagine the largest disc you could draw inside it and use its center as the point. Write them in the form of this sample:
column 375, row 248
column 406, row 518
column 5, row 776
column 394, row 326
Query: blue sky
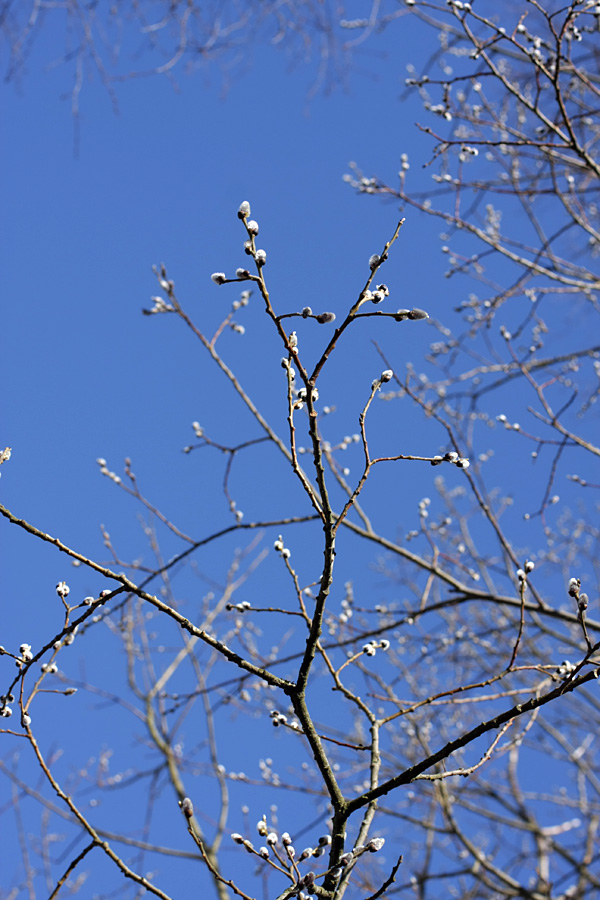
column 161, row 182
column 91, row 377
column 87, row 211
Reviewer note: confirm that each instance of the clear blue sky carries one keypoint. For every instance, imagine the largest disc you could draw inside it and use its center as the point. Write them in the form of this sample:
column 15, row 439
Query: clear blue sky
column 85, row 375
column 161, row 182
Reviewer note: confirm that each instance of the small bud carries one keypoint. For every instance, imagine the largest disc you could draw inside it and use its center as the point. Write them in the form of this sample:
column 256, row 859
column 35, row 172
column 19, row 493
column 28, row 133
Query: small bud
column 244, row 210
column 62, row 589
column 574, row 585
column 565, row 668
column 271, row 839
column 375, row 844
column 286, row 839
column 237, row 838
column 325, row 318
column 187, row 807
column 260, row 258
column 252, row 227
column 418, row 314
column 529, row 566
column 437, row 460
column 463, row 463
column 582, row 602
column 306, row 312
column 242, row 273
column 374, row 261
column 387, row 375
column 263, row 852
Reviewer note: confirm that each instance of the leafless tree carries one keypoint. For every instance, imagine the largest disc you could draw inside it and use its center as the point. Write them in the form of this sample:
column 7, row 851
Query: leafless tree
column 455, row 720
